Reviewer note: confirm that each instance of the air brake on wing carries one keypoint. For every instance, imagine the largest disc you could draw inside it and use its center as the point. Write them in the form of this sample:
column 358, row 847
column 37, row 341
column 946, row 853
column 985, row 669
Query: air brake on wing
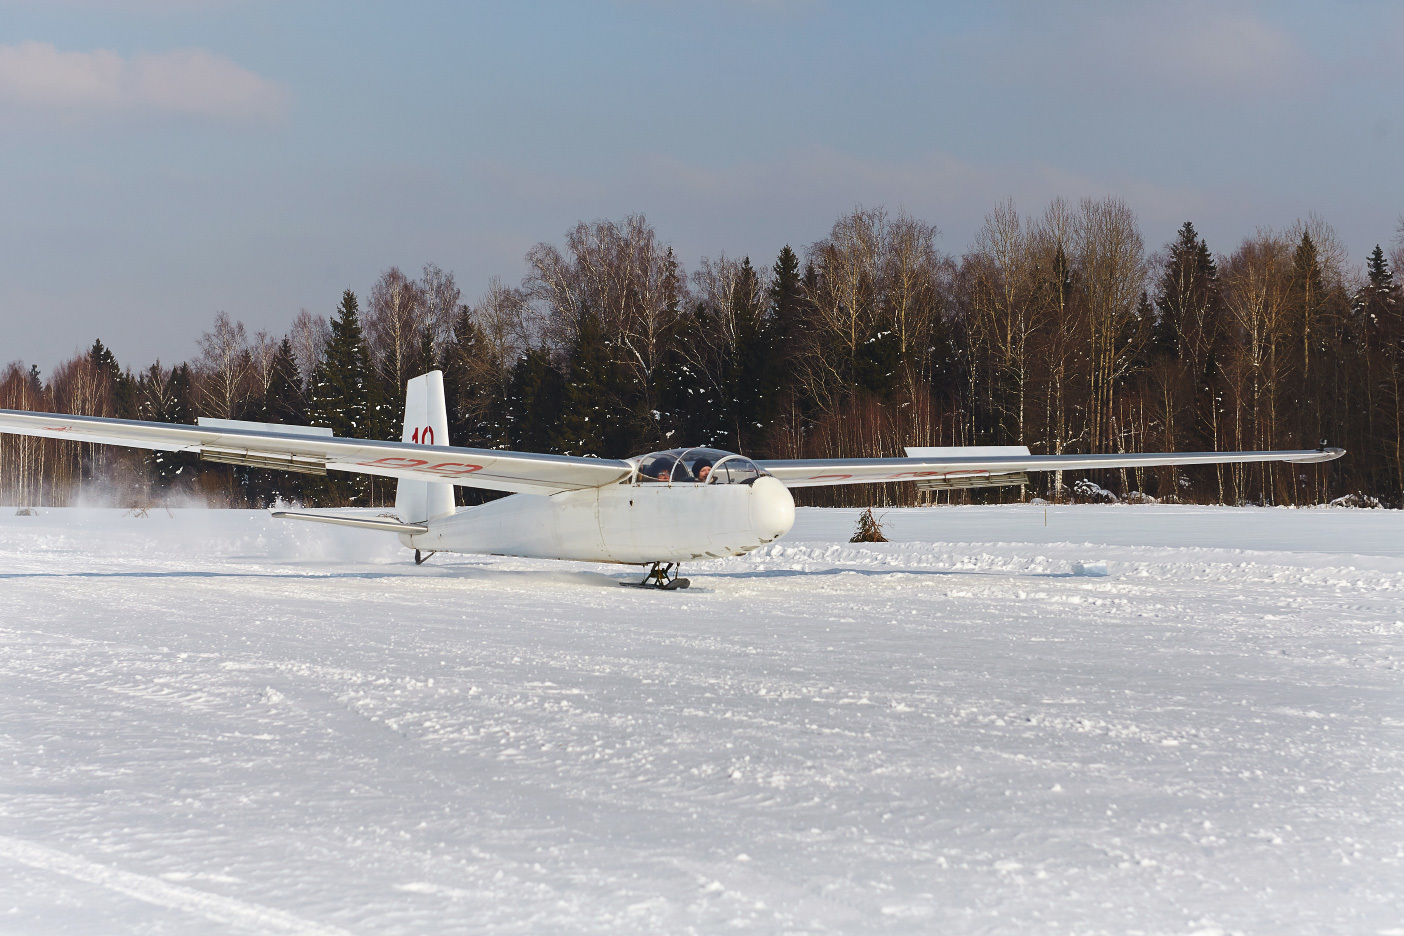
column 955, row 480
column 278, row 461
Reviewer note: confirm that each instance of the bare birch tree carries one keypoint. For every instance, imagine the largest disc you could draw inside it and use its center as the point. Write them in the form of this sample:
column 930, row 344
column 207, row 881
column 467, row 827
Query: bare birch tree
column 308, row 336
column 396, row 324
column 224, row 367
column 621, row 273
column 1111, row 261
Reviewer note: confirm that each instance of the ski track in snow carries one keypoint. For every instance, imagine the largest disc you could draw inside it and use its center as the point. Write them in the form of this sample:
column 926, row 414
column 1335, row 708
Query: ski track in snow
column 218, row 722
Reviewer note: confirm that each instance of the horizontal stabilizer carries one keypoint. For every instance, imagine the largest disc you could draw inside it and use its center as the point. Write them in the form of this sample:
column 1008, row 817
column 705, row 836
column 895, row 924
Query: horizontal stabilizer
column 365, row 523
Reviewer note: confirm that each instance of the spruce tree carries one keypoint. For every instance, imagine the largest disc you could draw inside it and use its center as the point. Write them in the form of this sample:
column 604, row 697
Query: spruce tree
column 1186, row 288
column 340, row 397
column 787, row 305
column 756, row 386
column 1377, row 307
column 283, row 402
column 690, row 406
column 124, row 400
column 168, row 398
column 1381, row 278
column 535, row 400
column 585, row 423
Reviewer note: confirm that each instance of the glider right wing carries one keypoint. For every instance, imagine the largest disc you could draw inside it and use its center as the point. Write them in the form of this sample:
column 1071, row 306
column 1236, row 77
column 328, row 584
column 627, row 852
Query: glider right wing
column 974, row 470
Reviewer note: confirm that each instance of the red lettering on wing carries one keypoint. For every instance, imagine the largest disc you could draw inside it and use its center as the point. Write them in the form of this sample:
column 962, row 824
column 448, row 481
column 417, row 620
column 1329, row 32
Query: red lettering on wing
column 454, row 469
column 832, row 477
column 446, row 469
column 393, row 462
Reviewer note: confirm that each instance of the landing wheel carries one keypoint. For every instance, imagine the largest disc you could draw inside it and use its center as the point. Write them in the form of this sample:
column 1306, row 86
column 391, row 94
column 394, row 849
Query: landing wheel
column 662, row 575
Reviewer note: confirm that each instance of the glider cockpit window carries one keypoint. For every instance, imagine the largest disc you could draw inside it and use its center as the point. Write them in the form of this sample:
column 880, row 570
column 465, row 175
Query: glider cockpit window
column 696, row 464
column 658, row 466
column 689, row 466
column 734, row 470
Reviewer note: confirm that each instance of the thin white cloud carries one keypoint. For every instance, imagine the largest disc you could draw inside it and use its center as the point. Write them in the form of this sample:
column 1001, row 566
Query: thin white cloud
column 38, row 77
column 1223, row 48
column 126, row 6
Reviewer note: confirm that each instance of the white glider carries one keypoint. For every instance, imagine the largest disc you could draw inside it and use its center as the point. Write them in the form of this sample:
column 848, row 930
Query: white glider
column 659, row 509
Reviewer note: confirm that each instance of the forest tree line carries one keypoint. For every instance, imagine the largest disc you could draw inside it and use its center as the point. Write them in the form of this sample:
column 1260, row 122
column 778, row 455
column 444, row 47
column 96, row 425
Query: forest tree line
column 1061, row 331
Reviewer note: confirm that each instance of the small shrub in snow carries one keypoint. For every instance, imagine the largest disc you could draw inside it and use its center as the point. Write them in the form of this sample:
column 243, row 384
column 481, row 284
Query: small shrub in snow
column 869, row 530
column 1364, row 501
column 1091, row 491
column 1136, row 497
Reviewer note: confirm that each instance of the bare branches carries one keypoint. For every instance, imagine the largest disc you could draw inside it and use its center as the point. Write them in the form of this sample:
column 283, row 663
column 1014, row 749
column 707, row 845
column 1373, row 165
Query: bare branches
column 309, row 336
column 224, row 364
column 620, row 273
column 442, row 302
column 397, row 325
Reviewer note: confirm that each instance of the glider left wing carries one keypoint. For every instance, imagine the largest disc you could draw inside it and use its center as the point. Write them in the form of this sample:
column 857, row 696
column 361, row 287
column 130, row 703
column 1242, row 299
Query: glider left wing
column 289, row 449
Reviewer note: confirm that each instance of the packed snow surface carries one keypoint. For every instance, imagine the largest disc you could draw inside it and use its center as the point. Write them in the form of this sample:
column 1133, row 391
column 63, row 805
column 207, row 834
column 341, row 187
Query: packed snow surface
column 214, row 721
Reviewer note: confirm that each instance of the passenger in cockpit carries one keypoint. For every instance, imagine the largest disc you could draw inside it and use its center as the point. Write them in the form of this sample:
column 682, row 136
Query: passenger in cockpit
column 703, row 469
column 659, row 469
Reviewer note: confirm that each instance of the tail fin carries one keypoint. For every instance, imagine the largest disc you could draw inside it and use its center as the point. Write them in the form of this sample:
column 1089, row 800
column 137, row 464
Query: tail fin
column 426, row 423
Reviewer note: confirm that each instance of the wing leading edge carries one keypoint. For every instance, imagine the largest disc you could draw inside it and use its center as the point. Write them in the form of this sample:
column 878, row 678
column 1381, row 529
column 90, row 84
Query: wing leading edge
column 515, row 472
column 970, row 471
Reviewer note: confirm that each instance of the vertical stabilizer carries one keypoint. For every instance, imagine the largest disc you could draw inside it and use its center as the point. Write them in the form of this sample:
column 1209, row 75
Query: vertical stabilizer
column 426, row 423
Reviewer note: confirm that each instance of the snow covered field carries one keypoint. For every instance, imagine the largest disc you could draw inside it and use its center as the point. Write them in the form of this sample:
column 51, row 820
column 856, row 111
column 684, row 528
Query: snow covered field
column 219, row 722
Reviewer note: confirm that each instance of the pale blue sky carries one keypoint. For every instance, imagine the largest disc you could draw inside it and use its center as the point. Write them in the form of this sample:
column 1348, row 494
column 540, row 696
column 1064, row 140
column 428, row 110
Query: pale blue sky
column 161, row 160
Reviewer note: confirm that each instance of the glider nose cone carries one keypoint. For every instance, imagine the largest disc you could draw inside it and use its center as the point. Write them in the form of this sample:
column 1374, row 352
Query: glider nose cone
column 772, row 509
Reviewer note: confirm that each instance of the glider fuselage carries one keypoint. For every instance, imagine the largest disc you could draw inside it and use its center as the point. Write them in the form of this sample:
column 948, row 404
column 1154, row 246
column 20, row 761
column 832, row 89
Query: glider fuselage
column 631, row 522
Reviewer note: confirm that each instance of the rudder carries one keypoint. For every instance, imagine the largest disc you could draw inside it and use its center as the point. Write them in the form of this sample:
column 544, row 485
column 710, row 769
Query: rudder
column 426, row 423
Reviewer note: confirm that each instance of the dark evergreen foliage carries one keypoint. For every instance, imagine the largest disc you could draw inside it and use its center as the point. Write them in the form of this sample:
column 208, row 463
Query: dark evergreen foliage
column 535, row 403
column 590, row 362
column 166, row 396
column 590, row 422
column 341, row 383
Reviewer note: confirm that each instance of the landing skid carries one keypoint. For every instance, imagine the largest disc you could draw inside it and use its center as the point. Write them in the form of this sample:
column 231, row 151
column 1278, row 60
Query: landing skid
column 421, row 559
column 662, row 575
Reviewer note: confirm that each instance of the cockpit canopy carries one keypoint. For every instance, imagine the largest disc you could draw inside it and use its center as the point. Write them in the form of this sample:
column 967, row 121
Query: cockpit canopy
column 705, row 465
